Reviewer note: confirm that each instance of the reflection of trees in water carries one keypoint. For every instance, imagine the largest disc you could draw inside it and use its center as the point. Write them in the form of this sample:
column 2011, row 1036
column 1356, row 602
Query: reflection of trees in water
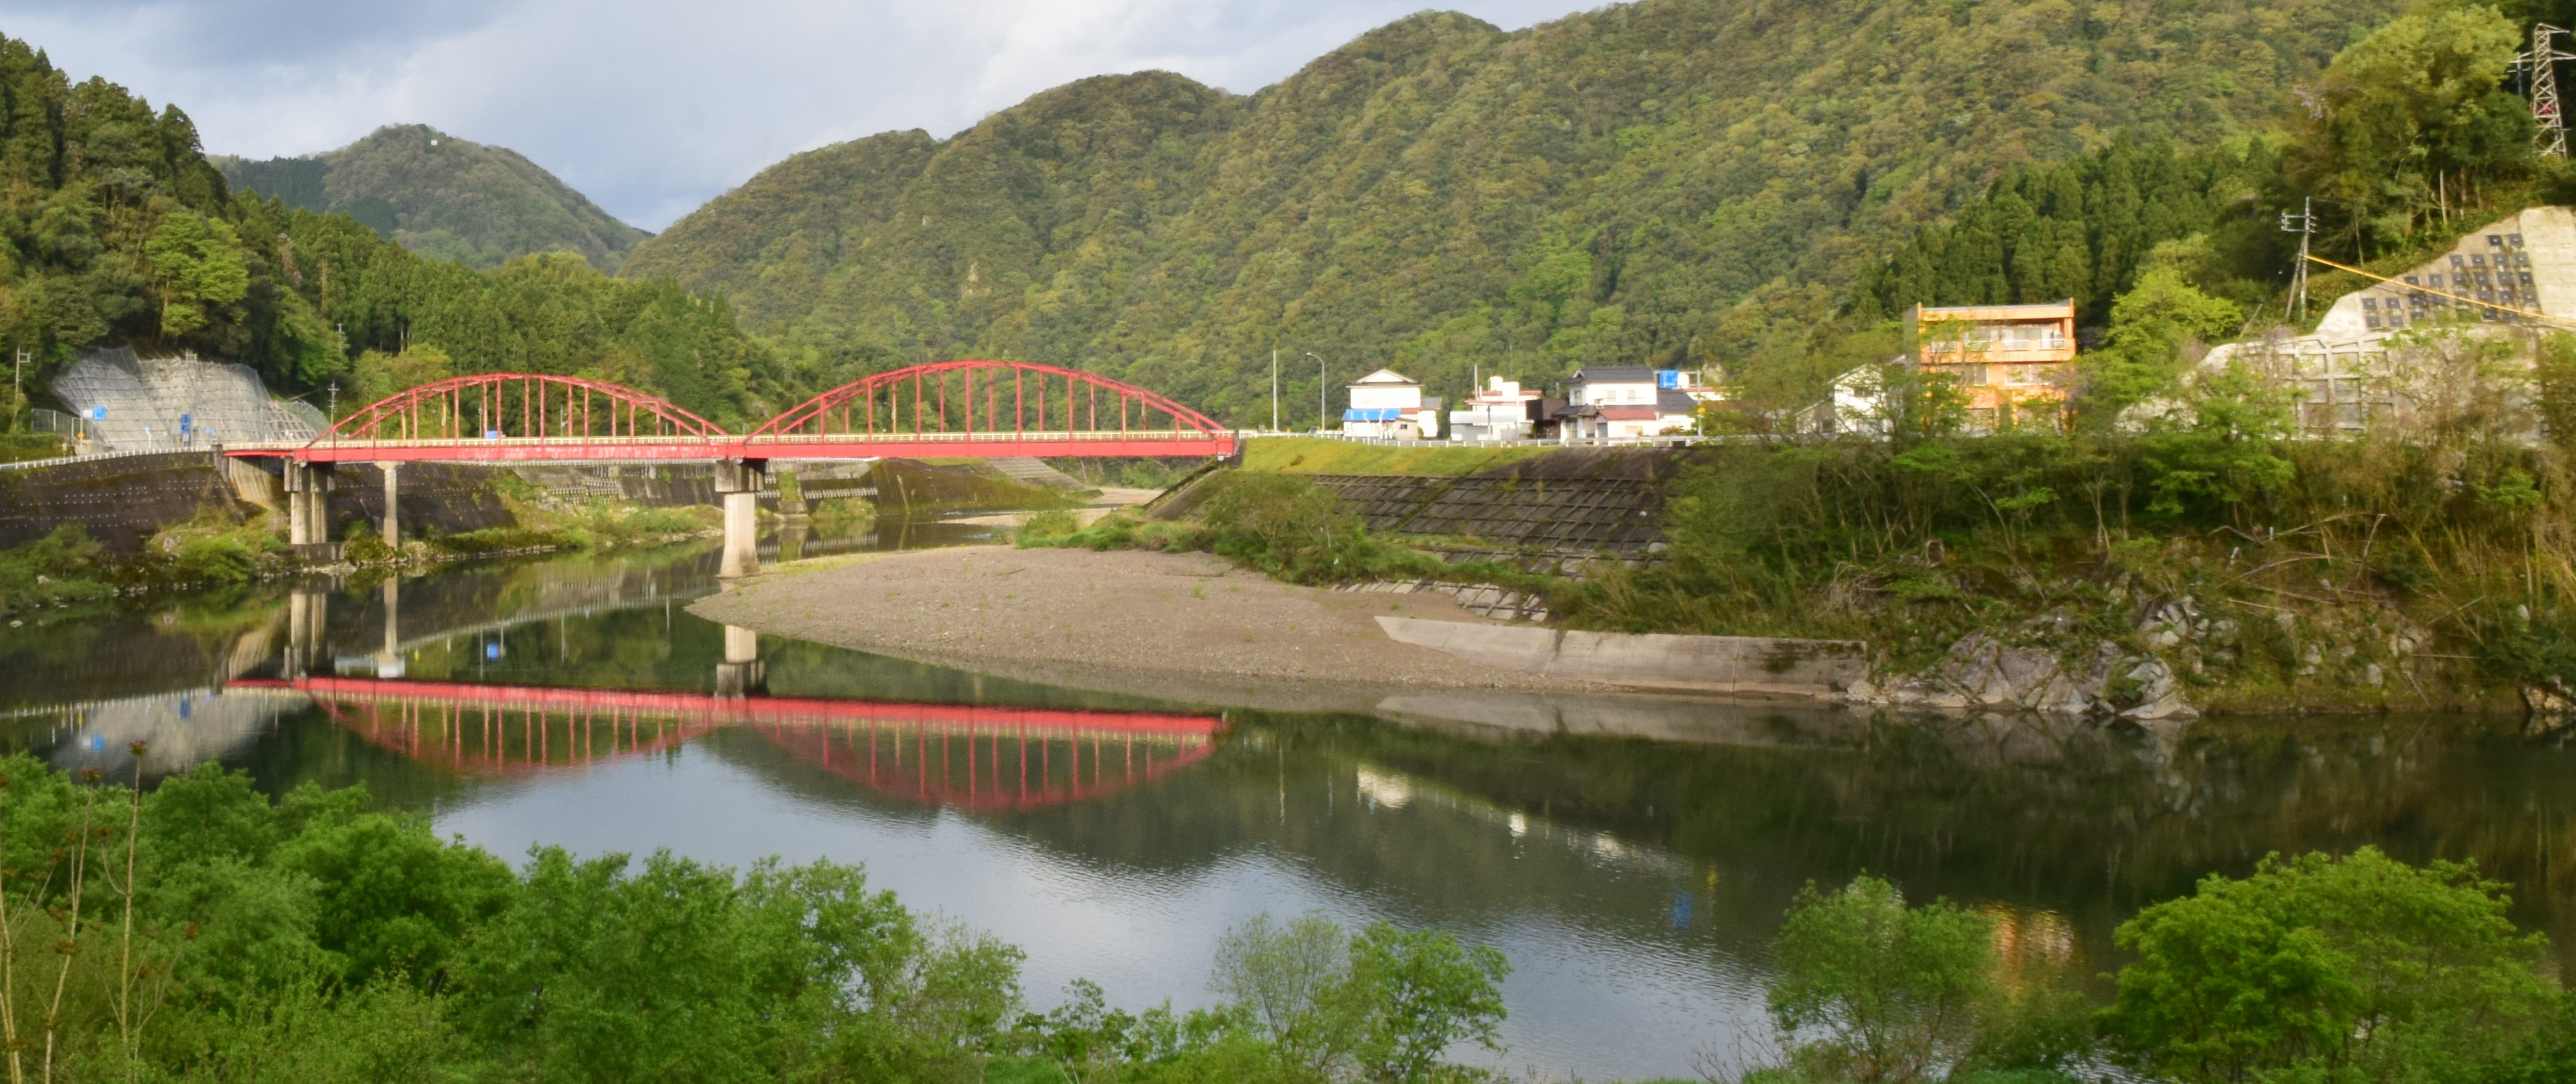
column 2053, row 816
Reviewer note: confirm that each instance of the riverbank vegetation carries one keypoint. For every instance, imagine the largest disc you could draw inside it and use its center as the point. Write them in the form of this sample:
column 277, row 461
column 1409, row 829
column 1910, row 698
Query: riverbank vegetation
column 2425, row 565
column 1282, row 524
column 203, row 931
column 69, row 569
column 2355, row 967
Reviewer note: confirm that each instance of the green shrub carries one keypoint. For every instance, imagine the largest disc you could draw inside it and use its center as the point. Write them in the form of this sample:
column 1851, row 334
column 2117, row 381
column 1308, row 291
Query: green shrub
column 363, row 544
column 217, row 559
column 2326, row 968
column 65, row 567
column 1046, row 528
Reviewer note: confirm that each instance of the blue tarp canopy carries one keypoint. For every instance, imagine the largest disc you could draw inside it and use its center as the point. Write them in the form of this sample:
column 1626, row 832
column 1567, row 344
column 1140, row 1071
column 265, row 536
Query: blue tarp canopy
column 1374, row 414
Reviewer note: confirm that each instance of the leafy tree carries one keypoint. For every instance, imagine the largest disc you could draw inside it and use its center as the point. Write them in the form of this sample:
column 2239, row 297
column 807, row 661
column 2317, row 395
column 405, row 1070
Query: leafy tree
column 1384, row 1006
column 1887, row 991
column 686, row 973
column 2142, row 357
column 2417, row 106
column 199, row 266
column 2228, row 452
column 2325, row 968
column 1420, row 992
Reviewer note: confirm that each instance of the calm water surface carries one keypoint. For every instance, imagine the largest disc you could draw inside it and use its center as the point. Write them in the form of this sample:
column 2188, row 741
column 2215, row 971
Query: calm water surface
column 1633, row 882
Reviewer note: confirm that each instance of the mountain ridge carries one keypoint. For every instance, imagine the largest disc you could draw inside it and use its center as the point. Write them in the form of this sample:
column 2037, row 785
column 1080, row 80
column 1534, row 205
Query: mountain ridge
column 444, row 197
column 1682, row 182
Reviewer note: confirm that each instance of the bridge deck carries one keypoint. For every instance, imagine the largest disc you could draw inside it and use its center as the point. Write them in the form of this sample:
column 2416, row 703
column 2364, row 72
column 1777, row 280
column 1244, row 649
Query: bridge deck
column 1180, row 443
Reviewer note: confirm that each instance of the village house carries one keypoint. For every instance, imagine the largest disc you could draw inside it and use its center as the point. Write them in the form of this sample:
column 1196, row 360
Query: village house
column 1625, row 401
column 1501, row 410
column 2013, row 364
column 1388, row 405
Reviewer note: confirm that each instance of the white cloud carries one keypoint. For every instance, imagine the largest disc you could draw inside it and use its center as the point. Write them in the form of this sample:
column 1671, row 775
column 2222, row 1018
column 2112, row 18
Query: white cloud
column 651, row 107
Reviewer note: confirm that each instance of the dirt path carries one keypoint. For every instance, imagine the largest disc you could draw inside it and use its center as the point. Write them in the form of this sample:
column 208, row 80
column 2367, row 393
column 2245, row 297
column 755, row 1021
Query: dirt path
column 1174, row 626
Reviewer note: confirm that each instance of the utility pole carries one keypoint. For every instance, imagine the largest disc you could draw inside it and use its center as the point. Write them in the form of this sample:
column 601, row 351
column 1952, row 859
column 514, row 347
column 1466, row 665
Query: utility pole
column 18, row 380
column 2304, row 224
column 1274, row 389
column 2540, row 66
column 1319, row 391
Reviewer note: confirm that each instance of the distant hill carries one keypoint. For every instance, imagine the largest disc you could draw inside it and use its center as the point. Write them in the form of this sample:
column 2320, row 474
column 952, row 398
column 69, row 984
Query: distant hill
column 1682, row 182
column 444, row 197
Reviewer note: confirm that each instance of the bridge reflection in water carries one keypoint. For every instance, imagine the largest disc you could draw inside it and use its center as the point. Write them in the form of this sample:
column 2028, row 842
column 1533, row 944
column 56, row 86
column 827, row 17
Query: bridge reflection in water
column 971, row 757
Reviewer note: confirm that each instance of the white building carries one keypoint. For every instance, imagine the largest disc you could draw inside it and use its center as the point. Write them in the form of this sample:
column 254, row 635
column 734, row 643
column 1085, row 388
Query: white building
column 1626, row 401
column 1389, row 405
column 1499, row 411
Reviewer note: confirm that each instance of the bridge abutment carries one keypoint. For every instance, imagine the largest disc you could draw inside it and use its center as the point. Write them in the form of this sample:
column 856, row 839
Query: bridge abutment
column 739, row 481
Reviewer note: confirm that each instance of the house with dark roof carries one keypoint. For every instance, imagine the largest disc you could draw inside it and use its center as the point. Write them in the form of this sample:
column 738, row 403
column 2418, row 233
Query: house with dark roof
column 1625, row 401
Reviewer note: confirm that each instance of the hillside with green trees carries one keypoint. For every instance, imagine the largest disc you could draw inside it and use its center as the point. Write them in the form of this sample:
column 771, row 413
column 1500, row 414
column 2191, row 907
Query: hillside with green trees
column 1678, row 182
column 443, row 197
column 116, row 229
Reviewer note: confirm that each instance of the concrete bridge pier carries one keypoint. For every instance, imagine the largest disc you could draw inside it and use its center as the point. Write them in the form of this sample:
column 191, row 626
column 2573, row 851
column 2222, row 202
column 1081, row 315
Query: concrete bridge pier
column 393, row 491
column 739, row 481
column 308, row 511
column 741, row 673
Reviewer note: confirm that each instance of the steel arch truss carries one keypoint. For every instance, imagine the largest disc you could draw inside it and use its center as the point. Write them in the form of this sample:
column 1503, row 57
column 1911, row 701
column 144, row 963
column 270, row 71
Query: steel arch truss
column 518, row 416
column 987, row 409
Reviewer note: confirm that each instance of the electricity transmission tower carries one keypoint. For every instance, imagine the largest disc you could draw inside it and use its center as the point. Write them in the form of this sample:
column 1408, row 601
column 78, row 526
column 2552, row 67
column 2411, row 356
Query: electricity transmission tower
column 2304, row 224
column 2540, row 66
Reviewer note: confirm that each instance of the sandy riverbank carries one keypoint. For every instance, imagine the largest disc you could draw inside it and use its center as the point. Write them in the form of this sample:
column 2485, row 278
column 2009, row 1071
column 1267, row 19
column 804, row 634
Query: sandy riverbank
column 1174, row 626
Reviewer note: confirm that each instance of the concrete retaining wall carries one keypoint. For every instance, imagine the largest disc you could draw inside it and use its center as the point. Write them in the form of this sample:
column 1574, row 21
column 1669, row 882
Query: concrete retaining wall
column 1736, row 665
column 120, row 501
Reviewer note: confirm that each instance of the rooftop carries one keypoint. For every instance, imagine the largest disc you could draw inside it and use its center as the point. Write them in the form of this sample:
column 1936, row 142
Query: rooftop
column 2053, row 310
column 1385, row 376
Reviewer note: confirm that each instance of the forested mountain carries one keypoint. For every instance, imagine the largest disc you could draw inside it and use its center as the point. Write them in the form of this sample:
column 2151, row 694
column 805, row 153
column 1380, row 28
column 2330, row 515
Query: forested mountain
column 444, row 197
column 115, row 228
column 1681, row 182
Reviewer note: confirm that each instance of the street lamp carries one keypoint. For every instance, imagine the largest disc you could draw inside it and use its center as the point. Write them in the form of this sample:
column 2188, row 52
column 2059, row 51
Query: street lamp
column 1319, row 393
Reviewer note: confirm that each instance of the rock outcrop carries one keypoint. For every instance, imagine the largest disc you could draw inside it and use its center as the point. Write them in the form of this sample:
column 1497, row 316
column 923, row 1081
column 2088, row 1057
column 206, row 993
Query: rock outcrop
column 1981, row 673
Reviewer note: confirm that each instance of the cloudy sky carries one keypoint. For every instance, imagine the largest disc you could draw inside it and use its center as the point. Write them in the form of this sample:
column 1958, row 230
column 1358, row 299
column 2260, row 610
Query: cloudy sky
column 650, row 107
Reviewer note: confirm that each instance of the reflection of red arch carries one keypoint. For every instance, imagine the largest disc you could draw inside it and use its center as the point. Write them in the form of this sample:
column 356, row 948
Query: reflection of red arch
column 1001, row 769
column 518, row 730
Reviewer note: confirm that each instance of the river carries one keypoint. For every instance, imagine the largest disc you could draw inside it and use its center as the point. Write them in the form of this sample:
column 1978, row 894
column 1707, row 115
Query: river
column 1633, row 883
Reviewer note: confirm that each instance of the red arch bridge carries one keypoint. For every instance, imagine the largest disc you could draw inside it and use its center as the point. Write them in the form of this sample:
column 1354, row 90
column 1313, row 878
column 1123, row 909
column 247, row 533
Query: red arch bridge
column 955, row 409
column 960, row 756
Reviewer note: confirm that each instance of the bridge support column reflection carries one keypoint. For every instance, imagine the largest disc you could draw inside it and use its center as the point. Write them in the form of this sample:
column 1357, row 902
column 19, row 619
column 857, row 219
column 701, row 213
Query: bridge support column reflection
column 741, row 673
column 307, row 614
column 389, row 662
column 739, row 481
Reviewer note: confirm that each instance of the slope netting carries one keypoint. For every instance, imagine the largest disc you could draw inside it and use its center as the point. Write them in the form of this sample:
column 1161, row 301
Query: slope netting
column 124, row 403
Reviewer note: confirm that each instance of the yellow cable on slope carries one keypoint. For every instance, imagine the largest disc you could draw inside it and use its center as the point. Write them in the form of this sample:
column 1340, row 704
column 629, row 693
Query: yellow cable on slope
column 2533, row 314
